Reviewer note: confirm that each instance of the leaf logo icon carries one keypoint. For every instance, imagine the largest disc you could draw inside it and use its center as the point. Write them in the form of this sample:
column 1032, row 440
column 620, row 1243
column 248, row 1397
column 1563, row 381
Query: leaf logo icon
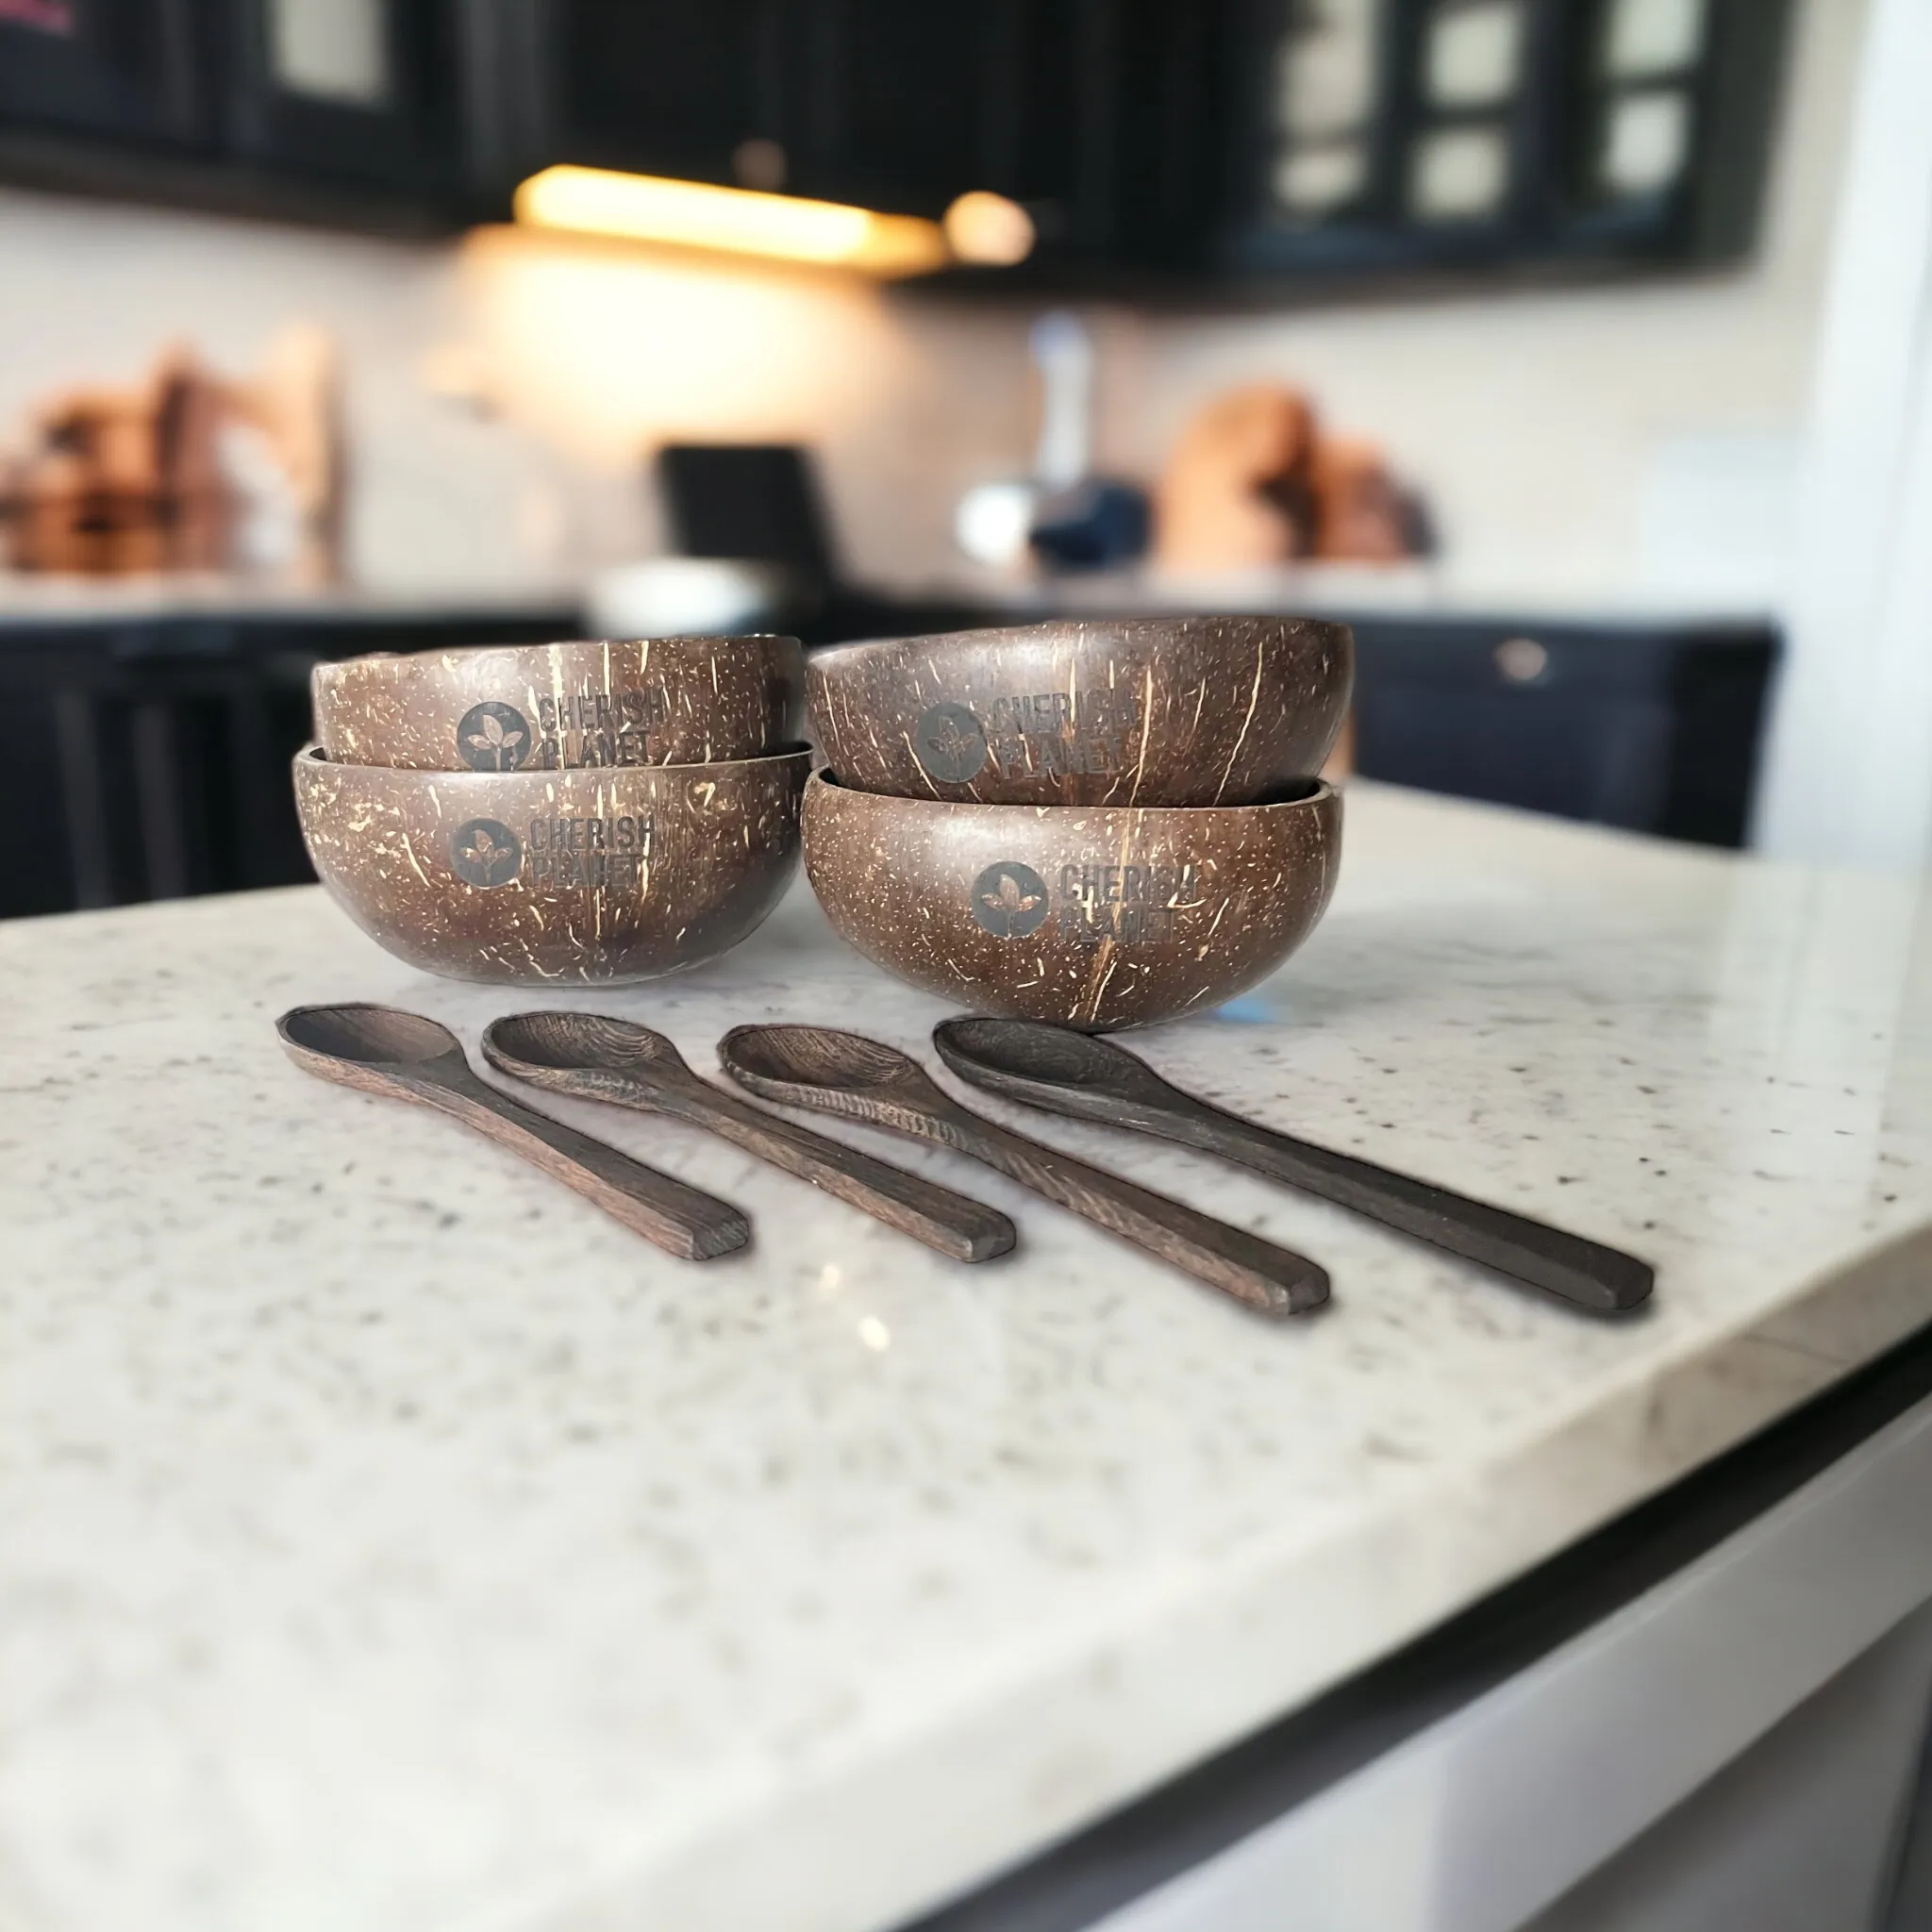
column 949, row 743
column 485, row 852
column 1010, row 900
column 493, row 737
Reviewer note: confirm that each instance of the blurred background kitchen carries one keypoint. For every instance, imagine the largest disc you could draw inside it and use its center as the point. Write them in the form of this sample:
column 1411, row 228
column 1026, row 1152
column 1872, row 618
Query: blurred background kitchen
column 1570, row 349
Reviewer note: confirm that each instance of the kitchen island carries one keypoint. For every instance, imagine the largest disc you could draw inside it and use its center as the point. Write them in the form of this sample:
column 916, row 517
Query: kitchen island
column 394, row 1545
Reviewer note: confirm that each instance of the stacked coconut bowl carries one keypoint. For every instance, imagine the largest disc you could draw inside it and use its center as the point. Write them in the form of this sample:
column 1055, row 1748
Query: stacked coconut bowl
column 555, row 814
column 1100, row 825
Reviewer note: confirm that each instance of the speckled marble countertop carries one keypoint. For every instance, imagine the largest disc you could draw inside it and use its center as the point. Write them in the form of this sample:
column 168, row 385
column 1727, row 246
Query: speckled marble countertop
column 393, row 1544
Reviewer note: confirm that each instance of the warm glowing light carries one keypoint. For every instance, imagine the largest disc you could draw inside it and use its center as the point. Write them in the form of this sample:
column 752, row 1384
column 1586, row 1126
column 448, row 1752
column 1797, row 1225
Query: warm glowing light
column 988, row 230
column 693, row 214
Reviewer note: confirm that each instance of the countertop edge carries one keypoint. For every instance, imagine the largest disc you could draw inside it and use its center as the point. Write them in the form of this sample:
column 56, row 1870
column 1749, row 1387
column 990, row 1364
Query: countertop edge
column 995, row 1806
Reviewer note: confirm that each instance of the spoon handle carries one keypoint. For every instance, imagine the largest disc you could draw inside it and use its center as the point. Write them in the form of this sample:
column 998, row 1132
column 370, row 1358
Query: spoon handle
column 1271, row 1279
column 1603, row 1280
column 681, row 1220
column 966, row 1230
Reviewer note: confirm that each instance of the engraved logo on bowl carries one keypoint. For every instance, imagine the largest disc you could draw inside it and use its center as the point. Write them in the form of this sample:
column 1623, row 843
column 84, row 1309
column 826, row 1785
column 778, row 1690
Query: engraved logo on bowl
column 485, row 852
column 1010, row 900
column 493, row 737
column 949, row 743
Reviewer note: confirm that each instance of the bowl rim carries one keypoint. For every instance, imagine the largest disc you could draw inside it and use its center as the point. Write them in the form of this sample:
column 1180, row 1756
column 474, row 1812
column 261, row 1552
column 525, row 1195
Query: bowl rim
column 336, row 670
column 1319, row 790
column 312, row 758
column 1075, row 632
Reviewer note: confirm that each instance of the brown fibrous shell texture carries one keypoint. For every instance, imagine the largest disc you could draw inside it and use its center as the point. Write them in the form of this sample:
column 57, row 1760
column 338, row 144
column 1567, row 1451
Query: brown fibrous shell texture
column 599, row 704
column 1093, row 917
column 549, row 878
column 1183, row 710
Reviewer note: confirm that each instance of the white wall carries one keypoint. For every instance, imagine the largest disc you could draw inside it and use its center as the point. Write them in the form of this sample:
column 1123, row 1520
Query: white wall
column 1848, row 770
column 1586, row 441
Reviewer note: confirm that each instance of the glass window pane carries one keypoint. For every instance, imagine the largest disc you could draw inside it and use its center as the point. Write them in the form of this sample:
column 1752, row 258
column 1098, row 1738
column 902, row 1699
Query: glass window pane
column 1316, row 180
column 333, row 50
column 1475, row 53
column 1326, row 80
column 1458, row 172
column 1653, row 36
column 1646, row 142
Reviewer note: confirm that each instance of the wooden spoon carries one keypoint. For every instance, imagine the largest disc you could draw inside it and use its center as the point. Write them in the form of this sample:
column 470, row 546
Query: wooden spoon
column 382, row 1050
column 1092, row 1080
column 846, row 1073
column 596, row 1058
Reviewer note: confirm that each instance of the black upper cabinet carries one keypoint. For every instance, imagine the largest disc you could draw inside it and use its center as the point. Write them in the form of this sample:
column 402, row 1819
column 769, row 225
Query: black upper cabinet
column 353, row 112
column 1184, row 143
column 907, row 108
column 895, row 106
column 666, row 88
column 1462, row 134
column 127, row 70
column 363, row 91
column 899, row 104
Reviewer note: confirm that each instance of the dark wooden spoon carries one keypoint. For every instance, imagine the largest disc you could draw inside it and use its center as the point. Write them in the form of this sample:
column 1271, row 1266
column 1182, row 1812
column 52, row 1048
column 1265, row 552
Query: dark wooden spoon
column 846, row 1073
column 596, row 1058
column 1089, row 1079
column 382, row 1050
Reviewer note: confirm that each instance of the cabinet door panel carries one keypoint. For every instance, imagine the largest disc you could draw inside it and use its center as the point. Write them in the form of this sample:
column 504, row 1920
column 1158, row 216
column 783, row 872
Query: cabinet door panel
column 888, row 103
column 363, row 90
column 900, row 111
column 668, row 86
column 119, row 67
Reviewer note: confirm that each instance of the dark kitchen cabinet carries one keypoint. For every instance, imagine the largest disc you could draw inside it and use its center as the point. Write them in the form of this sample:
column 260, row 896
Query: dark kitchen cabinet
column 357, row 113
column 892, row 105
column 1215, row 145
column 151, row 753
column 364, row 90
column 1469, row 134
column 127, row 71
column 908, row 107
column 664, row 89
column 898, row 107
column 1655, row 729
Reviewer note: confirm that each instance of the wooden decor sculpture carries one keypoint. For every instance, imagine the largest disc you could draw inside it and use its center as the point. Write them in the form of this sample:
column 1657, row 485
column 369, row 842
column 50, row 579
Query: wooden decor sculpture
column 186, row 473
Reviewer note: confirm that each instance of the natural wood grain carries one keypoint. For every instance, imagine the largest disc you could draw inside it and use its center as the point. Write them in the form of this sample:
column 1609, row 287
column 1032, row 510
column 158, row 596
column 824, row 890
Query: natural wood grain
column 846, row 1073
column 1067, row 1073
column 596, row 1058
column 382, row 1050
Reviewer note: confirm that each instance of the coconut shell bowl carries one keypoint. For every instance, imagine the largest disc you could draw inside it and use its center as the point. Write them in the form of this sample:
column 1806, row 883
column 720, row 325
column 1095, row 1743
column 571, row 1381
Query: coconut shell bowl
column 1094, row 917
column 1191, row 710
column 519, row 707
column 555, row 877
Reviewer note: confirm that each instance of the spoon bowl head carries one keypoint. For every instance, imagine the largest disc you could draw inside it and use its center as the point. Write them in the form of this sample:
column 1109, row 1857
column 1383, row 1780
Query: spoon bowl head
column 1033, row 1050
column 816, row 1057
column 369, row 1036
column 536, row 1044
